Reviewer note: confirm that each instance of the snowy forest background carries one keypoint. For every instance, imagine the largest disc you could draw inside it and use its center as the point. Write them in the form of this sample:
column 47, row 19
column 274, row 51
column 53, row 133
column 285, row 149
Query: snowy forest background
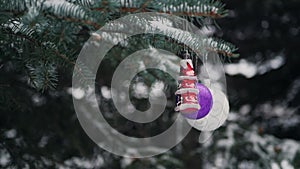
column 38, row 124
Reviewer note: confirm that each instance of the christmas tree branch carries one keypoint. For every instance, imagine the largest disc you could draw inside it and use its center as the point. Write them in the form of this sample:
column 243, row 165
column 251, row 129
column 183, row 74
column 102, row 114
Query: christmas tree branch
column 86, row 22
column 55, row 52
column 182, row 13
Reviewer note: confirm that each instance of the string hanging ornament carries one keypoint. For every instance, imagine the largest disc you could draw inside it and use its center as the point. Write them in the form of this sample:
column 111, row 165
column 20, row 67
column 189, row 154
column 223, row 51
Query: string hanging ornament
column 201, row 97
column 193, row 99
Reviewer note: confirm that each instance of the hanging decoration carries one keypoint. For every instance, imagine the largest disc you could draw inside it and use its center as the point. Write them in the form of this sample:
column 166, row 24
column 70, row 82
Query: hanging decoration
column 193, row 99
column 187, row 100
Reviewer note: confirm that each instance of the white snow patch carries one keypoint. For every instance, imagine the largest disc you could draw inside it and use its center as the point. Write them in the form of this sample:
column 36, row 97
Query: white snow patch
column 245, row 109
column 12, row 133
column 4, row 157
column 140, row 90
column 77, row 93
column 249, row 69
column 157, row 89
column 84, row 163
column 243, row 67
column 126, row 161
column 274, row 166
column 286, row 165
column 106, row 93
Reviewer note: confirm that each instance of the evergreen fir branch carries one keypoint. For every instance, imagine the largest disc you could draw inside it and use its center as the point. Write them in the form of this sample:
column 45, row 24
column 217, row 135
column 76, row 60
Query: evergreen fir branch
column 66, row 9
column 95, row 25
column 61, row 9
column 17, row 27
column 83, row 73
column 25, row 29
column 221, row 47
column 17, row 5
column 191, row 8
column 84, row 3
column 38, row 77
column 42, row 75
column 22, row 31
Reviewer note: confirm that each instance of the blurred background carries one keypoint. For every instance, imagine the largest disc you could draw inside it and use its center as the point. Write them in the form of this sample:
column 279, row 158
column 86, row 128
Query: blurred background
column 38, row 124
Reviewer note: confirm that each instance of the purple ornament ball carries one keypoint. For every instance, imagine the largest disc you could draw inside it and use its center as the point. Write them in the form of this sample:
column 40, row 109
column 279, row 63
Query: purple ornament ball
column 205, row 101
